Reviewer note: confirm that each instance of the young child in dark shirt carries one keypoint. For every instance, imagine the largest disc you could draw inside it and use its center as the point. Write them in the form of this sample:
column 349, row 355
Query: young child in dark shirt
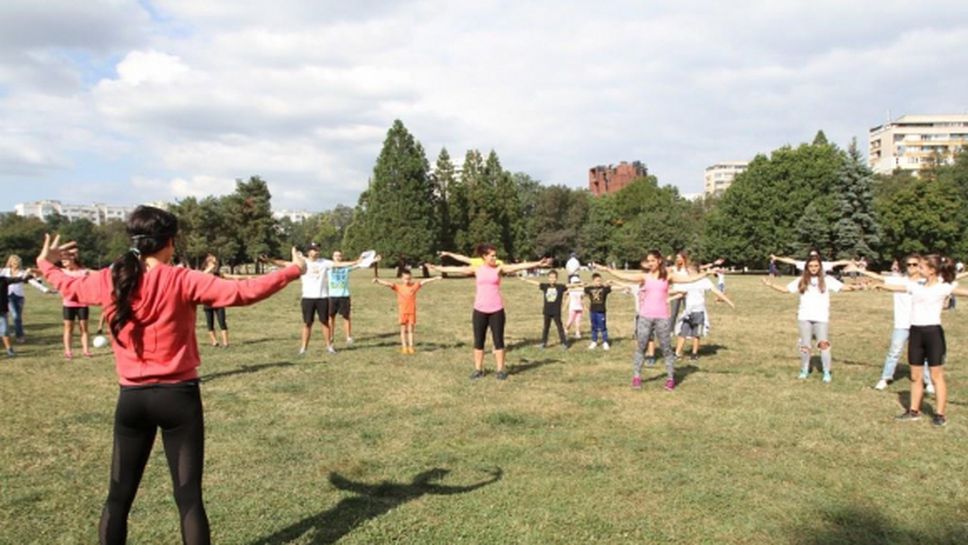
column 553, row 293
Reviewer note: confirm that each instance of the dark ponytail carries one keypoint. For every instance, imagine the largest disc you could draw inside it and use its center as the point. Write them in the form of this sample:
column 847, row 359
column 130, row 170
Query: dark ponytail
column 944, row 266
column 150, row 230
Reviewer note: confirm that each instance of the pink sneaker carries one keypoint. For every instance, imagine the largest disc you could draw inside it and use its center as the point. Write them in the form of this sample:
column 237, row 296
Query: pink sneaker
column 670, row 385
column 88, row 355
column 636, row 383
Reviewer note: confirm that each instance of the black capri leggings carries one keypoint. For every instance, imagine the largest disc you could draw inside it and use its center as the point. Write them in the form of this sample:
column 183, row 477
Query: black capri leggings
column 926, row 343
column 177, row 410
column 211, row 314
column 484, row 320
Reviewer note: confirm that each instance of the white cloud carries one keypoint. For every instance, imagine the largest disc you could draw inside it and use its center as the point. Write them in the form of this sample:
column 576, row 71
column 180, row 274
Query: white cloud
column 302, row 92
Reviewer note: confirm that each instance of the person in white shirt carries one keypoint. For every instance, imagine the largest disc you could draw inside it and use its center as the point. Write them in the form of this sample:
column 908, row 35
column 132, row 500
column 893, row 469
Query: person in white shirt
column 694, row 320
column 573, row 266
column 813, row 314
column 902, row 318
column 927, row 340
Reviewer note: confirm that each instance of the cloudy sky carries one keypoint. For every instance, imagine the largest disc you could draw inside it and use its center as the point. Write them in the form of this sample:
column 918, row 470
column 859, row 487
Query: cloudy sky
column 131, row 101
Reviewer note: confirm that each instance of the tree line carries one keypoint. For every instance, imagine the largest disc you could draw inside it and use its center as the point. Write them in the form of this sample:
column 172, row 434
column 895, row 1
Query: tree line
column 811, row 196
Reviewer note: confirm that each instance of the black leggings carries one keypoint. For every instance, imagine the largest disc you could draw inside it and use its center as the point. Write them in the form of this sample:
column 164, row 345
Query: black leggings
column 177, row 410
column 556, row 318
column 484, row 320
column 211, row 314
column 926, row 344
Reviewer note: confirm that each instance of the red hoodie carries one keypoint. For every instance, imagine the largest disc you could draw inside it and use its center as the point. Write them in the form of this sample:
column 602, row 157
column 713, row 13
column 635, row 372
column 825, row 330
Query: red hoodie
column 158, row 345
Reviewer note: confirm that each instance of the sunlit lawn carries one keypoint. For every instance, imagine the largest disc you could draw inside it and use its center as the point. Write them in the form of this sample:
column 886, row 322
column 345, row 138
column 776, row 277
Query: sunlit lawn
column 370, row 446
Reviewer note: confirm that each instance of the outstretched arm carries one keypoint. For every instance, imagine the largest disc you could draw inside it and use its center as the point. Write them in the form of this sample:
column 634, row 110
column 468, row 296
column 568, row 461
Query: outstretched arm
column 690, row 278
column 722, row 297
column 456, row 257
column 781, row 259
column 509, row 269
column 959, row 276
column 773, row 286
column 273, row 261
column 451, row 270
column 523, row 279
column 716, row 263
column 429, row 280
column 496, row 475
column 622, row 275
column 383, row 282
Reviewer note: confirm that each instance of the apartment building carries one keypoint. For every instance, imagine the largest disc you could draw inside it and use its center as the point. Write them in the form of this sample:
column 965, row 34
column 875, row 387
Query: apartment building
column 720, row 176
column 97, row 213
column 609, row 179
column 912, row 141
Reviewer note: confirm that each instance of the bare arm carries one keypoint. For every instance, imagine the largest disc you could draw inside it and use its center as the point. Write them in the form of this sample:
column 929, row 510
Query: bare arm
column 773, row 286
column 274, row 261
column 523, row 279
column 690, row 278
column 455, row 257
column 429, row 280
column 959, row 276
column 509, row 269
column 384, row 282
column 781, row 259
column 622, row 275
column 452, row 270
column 722, row 297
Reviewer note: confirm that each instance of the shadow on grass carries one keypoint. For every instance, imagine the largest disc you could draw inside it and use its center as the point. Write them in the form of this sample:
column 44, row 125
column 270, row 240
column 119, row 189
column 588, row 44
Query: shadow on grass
column 680, row 373
column 865, row 526
column 245, row 369
column 709, row 349
column 530, row 365
column 904, row 400
column 370, row 501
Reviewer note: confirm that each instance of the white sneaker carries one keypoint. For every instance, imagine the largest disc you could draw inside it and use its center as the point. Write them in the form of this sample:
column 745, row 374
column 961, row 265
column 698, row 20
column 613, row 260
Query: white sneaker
column 605, row 346
column 881, row 384
column 592, row 345
column 330, row 349
column 302, row 351
column 929, row 389
column 349, row 341
column 577, row 335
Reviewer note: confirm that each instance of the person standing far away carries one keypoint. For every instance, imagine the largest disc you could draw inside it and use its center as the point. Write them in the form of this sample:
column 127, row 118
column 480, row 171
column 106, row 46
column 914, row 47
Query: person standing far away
column 572, row 266
column 339, row 295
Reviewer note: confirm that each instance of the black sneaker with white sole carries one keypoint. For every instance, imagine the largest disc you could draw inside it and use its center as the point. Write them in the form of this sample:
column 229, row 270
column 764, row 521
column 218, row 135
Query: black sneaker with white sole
column 477, row 374
column 908, row 416
column 939, row 420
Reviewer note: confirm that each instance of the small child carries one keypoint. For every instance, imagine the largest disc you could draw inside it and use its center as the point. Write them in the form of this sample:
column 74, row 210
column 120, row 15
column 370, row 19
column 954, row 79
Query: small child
column 693, row 322
column 5, row 307
column 407, row 305
column 552, row 293
column 597, row 295
column 576, row 306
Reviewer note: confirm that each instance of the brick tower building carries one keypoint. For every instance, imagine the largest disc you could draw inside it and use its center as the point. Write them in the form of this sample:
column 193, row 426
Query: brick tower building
column 609, row 179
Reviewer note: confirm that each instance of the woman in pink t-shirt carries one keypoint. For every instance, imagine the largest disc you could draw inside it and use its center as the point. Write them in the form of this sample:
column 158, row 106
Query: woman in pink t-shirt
column 488, row 304
column 151, row 307
column 74, row 311
column 654, row 316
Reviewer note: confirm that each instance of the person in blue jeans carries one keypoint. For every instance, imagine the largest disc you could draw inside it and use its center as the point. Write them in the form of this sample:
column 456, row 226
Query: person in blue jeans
column 15, row 293
column 597, row 296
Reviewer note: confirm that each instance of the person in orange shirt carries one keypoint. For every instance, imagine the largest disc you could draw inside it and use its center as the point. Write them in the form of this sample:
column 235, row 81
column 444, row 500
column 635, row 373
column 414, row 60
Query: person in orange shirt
column 407, row 301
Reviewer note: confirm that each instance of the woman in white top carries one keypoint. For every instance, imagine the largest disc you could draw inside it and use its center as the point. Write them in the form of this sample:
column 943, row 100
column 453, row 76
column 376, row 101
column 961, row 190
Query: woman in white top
column 15, row 293
column 926, row 341
column 813, row 315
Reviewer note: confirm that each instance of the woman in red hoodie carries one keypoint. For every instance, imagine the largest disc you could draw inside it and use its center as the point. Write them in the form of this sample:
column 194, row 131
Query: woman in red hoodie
column 151, row 306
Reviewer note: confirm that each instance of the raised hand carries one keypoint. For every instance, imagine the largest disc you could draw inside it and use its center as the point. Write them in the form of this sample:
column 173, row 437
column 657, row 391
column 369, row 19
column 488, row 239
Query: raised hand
column 298, row 259
column 53, row 251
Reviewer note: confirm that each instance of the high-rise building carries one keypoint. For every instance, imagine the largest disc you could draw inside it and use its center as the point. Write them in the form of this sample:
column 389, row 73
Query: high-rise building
column 97, row 213
column 720, row 176
column 609, row 179
column 912, row 141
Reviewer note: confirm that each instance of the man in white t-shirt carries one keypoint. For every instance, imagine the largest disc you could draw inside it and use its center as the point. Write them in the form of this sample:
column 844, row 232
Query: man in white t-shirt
column 573, row 266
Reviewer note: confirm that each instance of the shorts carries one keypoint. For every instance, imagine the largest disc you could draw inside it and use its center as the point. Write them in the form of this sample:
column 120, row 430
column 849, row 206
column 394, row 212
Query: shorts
column 408, row 318
column 692, row 325
column 927, row 344
column 339, row 305
column 76, row 313
column 319, row 307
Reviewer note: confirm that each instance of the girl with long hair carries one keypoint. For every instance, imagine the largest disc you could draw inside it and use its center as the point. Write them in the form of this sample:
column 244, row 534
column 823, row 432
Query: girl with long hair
column 654, row 316
column 813, row 314
column 74, row 311
column 489, row 304
column 151, row 307
column 926, row 342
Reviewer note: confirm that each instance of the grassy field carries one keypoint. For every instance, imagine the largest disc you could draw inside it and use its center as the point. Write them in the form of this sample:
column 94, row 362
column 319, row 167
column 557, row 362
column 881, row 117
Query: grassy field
column 369, row 446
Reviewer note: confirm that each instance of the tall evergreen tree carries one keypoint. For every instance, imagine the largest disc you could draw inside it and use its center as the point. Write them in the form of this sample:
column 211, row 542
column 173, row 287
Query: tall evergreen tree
column 856, row 232
column 249, row 213
column 400, row 216
column 444, row 179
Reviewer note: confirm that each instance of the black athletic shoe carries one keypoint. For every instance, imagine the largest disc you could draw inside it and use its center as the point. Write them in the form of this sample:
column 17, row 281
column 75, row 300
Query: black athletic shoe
column 477, row 374
column 939, row 420
column 501, row 375
column 694, row 357
column 908, row 416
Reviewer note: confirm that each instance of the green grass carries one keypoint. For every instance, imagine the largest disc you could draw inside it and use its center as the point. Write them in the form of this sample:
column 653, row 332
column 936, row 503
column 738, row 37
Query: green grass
column 327, row 448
